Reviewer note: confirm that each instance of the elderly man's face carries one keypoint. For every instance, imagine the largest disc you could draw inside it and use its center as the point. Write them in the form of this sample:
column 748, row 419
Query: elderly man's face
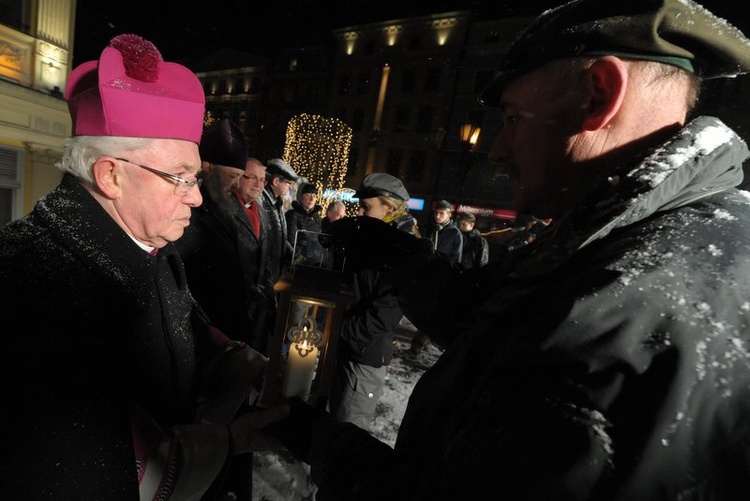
column 150, row 208
column 537, row 139
column 336, row 212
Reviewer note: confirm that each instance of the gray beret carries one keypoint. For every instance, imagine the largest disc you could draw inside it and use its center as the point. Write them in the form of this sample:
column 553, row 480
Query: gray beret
column 380, row 184
column 278, row 167
column 223, row 143
column 677, row 32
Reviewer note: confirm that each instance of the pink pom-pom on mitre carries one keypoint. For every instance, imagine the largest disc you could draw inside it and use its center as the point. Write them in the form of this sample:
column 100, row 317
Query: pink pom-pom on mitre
column 140, row 57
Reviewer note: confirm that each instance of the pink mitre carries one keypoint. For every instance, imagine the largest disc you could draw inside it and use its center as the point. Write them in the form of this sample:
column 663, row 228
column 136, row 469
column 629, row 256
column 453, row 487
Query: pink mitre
column 132, row 92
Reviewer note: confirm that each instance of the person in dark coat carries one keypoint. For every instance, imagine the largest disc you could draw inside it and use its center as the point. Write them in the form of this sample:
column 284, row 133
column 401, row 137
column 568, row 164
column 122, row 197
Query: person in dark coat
column 280, row 177
column 446, row 239
column 222, row 268
column 254, row 227
column 304, row 223
column 443, row 232
column 369, row 329
column 476, row 249
column 119, row 386
column 609, row 359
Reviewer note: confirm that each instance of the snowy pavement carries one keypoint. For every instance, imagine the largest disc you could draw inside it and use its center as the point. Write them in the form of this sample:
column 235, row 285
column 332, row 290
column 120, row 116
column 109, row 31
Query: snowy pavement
column 279, row 477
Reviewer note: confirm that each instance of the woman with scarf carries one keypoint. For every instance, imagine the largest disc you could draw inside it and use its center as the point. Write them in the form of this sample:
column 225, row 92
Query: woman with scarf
column 369, row 329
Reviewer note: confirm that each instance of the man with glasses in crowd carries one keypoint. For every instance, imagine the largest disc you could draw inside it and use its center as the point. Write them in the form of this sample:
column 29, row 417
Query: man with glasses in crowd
column 255, row 263
column 118, row 384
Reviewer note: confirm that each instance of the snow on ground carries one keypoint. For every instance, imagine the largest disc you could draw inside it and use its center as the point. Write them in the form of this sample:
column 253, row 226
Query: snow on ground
column 279, row 477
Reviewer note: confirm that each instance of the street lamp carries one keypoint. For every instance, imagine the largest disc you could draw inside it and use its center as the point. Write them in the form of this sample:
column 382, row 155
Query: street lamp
column 470, row 135
column 469, row 138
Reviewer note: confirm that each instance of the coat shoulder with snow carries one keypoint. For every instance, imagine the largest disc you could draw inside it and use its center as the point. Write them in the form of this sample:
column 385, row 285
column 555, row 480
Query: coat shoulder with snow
column 112, row 332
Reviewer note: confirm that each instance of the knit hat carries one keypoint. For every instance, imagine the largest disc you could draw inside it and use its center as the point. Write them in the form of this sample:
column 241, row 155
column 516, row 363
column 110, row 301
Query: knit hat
column 224, row 144
column 677, row 32
column 278, row 167
column 380, row 184
column 132, row 92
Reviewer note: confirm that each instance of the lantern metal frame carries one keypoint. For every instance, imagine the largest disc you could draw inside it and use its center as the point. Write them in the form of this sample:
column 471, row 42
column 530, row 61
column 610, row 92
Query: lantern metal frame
column 323, row 292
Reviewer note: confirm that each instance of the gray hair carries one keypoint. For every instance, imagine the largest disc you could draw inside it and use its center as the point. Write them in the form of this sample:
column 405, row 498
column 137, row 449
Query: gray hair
column 335, row 204
column 81, row 152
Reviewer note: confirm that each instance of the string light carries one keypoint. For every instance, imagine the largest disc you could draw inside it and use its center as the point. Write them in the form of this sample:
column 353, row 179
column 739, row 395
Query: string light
column 208, row 119
column 318, row 148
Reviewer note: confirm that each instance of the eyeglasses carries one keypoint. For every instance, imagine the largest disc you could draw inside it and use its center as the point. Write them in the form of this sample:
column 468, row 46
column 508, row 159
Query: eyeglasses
column 254, row 179
column 182, row 186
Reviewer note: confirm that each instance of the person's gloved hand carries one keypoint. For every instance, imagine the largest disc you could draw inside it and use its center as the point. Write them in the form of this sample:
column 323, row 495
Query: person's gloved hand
column 368, row 242
column 248, row 432
column 295, row 431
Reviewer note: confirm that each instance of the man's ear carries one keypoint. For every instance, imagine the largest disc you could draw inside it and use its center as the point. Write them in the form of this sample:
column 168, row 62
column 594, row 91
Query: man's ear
column 607, row 81
column 107, row 178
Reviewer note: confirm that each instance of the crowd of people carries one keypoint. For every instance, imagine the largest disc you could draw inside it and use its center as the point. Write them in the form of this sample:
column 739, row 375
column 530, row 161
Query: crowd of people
column 603, row 356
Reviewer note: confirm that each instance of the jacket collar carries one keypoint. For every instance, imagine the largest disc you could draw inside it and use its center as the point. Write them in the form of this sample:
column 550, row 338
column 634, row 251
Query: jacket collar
column 703, row 158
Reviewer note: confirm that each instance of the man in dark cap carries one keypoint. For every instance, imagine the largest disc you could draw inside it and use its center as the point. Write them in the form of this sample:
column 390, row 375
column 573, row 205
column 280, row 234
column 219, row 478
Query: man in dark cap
column 442, row 230
column 280, row 178
column 608, row 360
column 476, row 249
column 447, row 240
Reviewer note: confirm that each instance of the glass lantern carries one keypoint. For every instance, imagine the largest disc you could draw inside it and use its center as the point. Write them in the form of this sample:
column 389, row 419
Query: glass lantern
column 302, row 354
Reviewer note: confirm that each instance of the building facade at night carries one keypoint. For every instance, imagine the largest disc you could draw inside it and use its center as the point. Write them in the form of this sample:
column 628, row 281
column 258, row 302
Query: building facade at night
column 405, row 87
column 36, row 38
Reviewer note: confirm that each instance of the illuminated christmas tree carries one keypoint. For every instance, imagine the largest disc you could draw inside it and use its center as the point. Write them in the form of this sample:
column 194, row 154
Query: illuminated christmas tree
column 318, row 149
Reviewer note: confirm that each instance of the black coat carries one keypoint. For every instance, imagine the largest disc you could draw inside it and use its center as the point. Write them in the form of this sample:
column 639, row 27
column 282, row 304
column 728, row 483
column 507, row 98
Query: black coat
column 446, row 239
column 224, row 263
column 476, row 249
column 370, row 325
column 279, row 249
column 307, row 247
column 103, row 324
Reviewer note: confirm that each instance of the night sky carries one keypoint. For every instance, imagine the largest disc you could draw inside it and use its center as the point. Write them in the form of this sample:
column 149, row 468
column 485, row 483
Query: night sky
column 188, row 30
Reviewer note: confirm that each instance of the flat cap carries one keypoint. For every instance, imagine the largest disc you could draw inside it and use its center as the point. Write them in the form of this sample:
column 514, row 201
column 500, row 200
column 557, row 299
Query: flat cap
column 379, row 184
column 224, row 144
column 468, row 216
column 444, row 205
column 278, row 167
column 677, row 32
